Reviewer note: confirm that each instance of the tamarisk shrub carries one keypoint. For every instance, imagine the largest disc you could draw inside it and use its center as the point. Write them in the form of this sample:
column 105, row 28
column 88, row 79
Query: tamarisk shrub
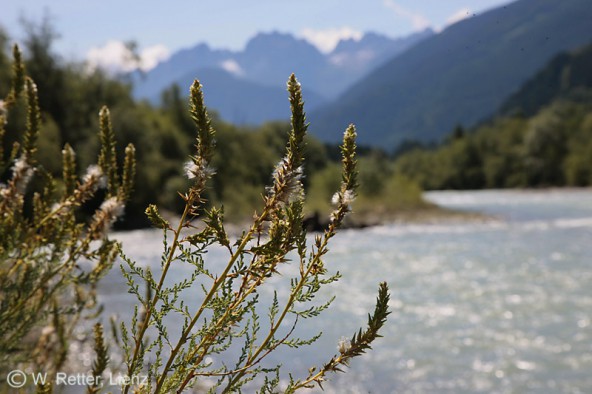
column 226, row 316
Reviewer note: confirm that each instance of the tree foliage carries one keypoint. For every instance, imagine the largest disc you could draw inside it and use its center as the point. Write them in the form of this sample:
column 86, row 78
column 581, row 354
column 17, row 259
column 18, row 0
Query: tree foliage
column 551, row 148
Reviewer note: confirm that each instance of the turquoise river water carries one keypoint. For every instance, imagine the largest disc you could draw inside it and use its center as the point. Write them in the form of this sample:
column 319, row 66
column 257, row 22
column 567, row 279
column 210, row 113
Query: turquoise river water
column 497, row 306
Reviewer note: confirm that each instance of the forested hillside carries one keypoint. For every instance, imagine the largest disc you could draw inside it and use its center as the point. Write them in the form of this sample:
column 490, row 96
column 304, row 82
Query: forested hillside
column 543, row 138
column 459, row 76
column 567, row 76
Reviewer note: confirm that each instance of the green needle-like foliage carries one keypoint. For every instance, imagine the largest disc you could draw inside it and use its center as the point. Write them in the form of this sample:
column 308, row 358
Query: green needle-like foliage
column 18, row 79
column 101, row 361
column 69, row 168
column 359, row 344
column 107, row 156
column 33, row 121
column 205, row 132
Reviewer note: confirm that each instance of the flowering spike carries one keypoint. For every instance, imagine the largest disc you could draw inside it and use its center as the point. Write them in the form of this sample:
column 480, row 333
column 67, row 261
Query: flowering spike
column 18, row 77
column 155, row 218
column 33, row 121
column 2, row 132
column 101, row 361
column 287, row 174
column 129, row 172
column 346, row 194
column 299, row 125
column 349, row 163
column 205, row 132
column 69, row 168
column 107, row 157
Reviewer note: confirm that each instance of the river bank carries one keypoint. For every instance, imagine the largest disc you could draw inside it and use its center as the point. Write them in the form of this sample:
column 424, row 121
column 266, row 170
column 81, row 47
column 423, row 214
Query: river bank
column 428, row 213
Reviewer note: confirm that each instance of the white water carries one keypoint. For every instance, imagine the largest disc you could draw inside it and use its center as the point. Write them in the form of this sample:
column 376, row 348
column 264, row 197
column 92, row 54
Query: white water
column 502, row 306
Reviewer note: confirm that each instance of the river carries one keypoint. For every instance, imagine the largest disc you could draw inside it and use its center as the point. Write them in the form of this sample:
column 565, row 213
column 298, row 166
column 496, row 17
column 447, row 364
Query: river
column 477, row 307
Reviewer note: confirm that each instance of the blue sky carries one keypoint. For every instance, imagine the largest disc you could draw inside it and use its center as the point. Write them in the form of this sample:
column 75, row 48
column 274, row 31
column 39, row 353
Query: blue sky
column 162, row 27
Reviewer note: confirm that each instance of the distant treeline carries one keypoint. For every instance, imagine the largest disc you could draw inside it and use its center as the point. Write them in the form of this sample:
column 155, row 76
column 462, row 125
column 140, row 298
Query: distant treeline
column 71, row 95
column 551, row 148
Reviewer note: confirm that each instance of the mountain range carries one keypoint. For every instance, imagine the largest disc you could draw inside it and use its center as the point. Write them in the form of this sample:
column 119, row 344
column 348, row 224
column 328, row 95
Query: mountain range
column 249, row 86
column 417, row 88
column 460, row 76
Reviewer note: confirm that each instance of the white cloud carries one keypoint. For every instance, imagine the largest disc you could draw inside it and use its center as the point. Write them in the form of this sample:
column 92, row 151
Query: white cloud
column 153, row 55
column 115, row 57
column 418, row 21
column 326, row 40
column 458, row 16
column 232, row 67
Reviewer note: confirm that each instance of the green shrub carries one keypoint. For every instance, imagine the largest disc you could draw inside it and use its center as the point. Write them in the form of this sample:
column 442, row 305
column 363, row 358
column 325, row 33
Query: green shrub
column 227, row 313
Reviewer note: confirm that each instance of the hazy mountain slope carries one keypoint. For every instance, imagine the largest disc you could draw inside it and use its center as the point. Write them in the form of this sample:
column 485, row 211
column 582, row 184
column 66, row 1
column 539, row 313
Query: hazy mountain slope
column 270, row 58
column 240, row 101
column 150, row 85
column 461, row 75
column 567, row 76
column 355, row 55
column 351, row 60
